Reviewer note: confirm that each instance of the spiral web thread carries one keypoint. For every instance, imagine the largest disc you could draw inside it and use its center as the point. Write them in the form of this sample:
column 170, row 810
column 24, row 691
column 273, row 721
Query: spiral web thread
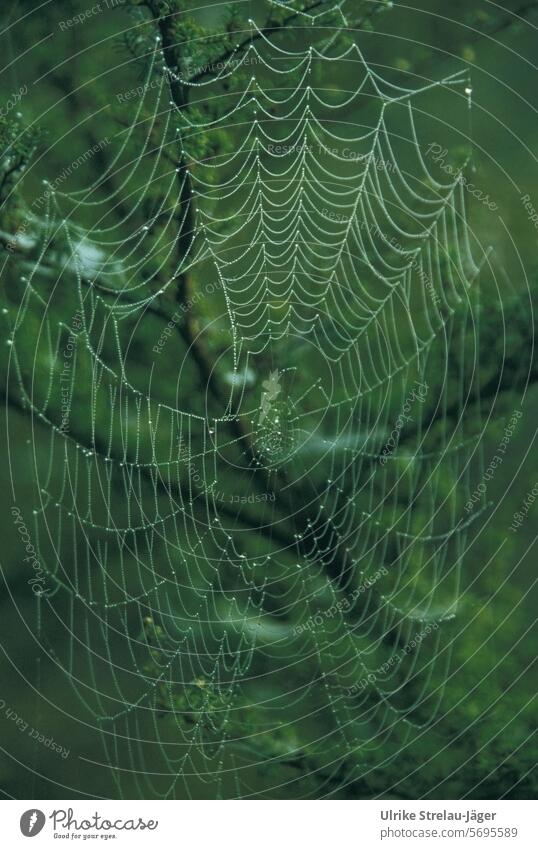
column 181, row 603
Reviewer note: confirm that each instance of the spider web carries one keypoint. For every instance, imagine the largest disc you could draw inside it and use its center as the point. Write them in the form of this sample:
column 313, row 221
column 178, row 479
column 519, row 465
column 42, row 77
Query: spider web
column 255, row 588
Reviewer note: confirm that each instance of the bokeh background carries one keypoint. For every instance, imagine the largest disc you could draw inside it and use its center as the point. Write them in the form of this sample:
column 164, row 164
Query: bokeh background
column 484, row 746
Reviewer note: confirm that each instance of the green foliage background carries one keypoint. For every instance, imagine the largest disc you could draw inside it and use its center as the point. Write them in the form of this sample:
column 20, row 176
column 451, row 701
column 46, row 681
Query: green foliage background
column 484, row 744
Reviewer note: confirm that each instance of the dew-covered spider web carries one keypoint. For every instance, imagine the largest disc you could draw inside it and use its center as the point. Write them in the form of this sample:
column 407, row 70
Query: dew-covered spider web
column 250, row 501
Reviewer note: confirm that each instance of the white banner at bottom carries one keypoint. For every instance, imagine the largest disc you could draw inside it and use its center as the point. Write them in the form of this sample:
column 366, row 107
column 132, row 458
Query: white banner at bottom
column 234, row 825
